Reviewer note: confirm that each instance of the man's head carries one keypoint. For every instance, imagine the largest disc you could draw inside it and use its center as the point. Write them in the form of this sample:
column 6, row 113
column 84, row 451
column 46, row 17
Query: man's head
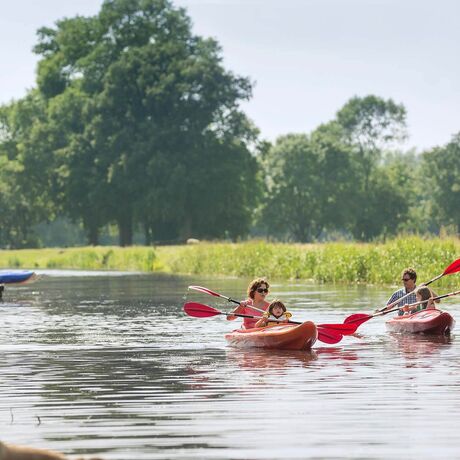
column 409, row 277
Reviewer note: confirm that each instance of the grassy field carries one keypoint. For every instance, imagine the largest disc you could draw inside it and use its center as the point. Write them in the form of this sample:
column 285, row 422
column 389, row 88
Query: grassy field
column 329, row 262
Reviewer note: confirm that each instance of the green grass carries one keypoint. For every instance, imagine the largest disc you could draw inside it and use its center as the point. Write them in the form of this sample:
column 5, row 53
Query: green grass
column 86, row 258
column 380, row 263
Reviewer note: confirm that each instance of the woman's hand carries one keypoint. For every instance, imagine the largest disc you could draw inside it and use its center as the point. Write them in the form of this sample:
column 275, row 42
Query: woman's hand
column 239, row 309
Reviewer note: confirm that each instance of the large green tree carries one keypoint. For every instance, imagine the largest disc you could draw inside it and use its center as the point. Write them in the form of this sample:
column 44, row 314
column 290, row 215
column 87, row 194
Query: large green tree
column 157, row 108
column 370, row 126
column 25, row 178
column 308, row 182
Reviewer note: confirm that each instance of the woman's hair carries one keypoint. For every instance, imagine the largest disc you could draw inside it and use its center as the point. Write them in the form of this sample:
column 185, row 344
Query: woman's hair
column 411, row 272
column 424, row 292
column 254, row 285
column 276, row 303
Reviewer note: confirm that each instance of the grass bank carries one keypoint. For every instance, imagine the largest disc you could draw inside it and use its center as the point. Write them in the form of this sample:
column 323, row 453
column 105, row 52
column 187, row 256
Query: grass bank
column 329, row 262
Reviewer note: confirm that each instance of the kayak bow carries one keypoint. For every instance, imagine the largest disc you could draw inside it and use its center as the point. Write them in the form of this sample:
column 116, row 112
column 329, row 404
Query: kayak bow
column 430, row 321
column 280, row 337
column 15, row 276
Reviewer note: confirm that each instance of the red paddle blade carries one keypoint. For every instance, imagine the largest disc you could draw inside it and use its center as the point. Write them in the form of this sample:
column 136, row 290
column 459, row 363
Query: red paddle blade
column 357, row 318
column 454, row 267
column 198, row 310
column 205, row 290
column 342, row 328
column 329, row 336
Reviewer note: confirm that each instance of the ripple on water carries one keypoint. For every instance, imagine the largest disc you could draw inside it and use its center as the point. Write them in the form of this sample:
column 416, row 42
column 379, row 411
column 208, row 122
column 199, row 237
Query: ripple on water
column 111, row 365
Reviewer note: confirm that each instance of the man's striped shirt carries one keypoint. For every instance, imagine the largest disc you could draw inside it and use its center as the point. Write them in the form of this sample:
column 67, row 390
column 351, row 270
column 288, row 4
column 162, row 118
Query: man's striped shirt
column 399, row 294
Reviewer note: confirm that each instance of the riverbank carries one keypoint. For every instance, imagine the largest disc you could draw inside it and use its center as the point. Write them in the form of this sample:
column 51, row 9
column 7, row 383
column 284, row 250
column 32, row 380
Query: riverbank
column 328, row 262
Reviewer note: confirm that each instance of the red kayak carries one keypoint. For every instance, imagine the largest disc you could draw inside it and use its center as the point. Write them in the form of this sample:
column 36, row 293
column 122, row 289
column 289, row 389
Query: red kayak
column 426, row 321
column 280, row 337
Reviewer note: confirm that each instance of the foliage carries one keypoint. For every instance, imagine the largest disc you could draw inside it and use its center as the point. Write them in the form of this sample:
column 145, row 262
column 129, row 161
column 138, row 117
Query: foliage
column 154, row 107
column 308, row 181
column 441, row 167
column 337, row 262
column 136, row 124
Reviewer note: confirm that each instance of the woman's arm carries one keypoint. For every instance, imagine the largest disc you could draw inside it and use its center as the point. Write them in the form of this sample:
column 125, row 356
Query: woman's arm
column 239, row 310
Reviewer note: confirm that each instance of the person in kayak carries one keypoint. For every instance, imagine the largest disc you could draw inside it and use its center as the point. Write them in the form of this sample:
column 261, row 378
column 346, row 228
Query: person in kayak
column 276, row 311
column 409, row 278
column 255, row 304
column 423, row 293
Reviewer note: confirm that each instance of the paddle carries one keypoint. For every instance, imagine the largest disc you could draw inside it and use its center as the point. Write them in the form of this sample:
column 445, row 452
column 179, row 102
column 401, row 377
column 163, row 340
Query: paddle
column 341, row 328
column 215, row 294
column 327, row 333
column 360, row 318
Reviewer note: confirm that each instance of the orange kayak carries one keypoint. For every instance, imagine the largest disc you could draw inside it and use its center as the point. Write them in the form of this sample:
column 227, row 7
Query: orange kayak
column 426, row 321
column 280, row 337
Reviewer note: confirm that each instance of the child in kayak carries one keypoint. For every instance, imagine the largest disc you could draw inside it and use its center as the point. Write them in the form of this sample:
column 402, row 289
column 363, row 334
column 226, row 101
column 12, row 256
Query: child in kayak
column 422, row 293
column 255, row 304
column 276, row 311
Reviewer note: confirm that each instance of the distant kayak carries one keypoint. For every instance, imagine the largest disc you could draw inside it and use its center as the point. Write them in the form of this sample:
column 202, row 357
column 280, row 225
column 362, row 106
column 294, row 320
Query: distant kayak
column 15, row 276
column 281, row 337
column 431, row 321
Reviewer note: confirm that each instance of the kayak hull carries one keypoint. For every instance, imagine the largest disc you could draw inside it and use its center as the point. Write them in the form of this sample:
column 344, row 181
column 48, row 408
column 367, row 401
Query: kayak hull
column 15, row 276
column 279, row 337
column 426, row 321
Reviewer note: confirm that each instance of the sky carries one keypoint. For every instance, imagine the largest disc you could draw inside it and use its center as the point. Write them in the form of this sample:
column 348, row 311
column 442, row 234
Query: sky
column 307, row 58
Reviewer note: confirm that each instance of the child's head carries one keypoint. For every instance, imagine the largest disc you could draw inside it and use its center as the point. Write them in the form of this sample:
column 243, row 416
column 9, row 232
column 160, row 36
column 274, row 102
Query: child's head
column 423, row 293
column 276, row 308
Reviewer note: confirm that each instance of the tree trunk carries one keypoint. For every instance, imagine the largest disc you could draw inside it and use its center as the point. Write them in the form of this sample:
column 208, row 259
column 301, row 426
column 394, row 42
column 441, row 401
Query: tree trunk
column 125, row 229
column 92, row 233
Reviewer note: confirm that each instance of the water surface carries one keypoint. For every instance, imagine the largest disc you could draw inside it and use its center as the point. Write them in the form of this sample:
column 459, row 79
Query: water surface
column 108, row 364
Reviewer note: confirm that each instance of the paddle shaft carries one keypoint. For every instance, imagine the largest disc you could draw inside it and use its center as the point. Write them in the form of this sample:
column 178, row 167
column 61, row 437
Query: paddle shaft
column 216, row 294
column 257, row 317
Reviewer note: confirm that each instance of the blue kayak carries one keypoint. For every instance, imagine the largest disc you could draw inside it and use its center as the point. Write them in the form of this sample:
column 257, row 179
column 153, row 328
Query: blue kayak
column 15, row 276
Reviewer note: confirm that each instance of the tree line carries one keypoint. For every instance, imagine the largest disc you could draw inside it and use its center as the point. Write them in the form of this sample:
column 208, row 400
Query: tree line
column 134, row 122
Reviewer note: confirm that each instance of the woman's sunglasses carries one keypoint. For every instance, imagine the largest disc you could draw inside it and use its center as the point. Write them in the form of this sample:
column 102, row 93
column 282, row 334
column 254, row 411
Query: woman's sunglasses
column 260, row 290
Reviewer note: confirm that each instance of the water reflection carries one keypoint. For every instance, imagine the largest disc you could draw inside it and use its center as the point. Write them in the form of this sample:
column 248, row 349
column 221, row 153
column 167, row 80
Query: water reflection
column 111, row 365
column 255, row 359
column 416, row 346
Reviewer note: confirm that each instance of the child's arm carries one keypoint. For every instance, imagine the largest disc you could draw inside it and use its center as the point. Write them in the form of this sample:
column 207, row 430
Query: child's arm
column 263, row 321
column 407, row 309
column 430, row 305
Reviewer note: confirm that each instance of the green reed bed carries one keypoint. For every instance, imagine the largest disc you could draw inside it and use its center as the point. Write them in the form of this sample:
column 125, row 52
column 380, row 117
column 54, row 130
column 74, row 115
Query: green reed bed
column 329, row 262
column 86, row 258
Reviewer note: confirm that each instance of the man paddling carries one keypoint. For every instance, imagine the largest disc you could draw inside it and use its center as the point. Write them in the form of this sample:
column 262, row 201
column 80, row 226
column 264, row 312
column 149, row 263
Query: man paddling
column 409, row 278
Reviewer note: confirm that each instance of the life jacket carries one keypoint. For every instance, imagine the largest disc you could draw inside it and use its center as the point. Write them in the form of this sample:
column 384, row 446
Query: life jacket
column 273, row 321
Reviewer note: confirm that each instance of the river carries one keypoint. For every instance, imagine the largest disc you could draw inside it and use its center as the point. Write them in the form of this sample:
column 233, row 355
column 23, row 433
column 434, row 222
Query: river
column 96, row 363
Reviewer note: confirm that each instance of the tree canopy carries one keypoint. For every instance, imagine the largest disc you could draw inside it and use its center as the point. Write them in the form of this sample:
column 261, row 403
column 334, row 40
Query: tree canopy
column 136, row 124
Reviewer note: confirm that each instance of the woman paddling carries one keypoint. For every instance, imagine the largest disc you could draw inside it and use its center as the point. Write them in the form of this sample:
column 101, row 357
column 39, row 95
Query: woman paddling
column 257, row 292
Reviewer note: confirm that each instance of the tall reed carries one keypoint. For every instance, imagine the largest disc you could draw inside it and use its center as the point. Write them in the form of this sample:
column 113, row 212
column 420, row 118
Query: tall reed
column 379, row 263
